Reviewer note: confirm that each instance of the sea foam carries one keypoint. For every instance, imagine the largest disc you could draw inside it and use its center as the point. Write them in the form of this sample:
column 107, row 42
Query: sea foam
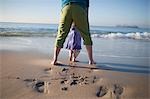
column 137, row 35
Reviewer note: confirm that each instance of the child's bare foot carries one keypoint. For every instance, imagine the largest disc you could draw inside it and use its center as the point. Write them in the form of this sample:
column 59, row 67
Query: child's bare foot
column 70, row 59
column 75, row 60
column 92, row 62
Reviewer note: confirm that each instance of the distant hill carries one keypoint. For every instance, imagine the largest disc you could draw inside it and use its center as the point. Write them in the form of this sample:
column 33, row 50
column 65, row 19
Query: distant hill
column 127, row 26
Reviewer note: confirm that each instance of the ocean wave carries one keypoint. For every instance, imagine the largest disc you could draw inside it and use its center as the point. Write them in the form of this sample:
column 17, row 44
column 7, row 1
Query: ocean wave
column 137, row 35
column 53, row 33
column 27, row 34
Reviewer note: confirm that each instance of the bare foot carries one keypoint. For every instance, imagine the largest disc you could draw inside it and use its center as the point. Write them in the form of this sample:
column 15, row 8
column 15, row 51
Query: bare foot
column 75, row 60
column 54, row 62
column 92, row 63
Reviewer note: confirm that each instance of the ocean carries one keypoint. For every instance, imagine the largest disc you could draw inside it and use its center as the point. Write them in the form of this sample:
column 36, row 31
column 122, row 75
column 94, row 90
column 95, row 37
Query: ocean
column 50, row 30
column 122, row 49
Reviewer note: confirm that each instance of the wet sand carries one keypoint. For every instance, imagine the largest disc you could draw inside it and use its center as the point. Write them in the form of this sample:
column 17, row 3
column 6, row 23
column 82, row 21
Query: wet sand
column 29, row 75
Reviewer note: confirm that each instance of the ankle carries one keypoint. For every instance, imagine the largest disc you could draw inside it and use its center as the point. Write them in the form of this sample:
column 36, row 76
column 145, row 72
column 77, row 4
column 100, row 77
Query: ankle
column 54, row 62
column 92, row 62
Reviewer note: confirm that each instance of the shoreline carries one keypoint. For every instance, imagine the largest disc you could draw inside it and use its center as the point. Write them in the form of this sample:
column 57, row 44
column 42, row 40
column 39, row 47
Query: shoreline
column 18, row 67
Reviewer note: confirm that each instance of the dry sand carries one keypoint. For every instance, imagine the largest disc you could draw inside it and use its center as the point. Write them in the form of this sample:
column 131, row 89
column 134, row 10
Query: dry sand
column 25, row 73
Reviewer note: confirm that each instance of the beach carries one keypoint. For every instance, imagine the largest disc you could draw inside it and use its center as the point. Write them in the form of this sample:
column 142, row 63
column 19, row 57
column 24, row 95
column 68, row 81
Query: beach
column 120, row 35
column 26, row 72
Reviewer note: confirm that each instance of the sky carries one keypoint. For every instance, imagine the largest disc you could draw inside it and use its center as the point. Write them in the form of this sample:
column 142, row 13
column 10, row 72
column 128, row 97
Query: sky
column 101, row 12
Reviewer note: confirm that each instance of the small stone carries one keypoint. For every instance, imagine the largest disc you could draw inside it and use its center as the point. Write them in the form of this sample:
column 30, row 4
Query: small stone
column 18, row 78
column 64, row 69
column 62, row 82
column 82, row 79
column 86, row 77
column 86, row 83
column 73, row 74
column 64, row 88
column 74, row 82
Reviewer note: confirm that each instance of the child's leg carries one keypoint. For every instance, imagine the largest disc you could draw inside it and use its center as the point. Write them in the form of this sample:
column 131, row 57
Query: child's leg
column 83, row 27
column 75, row 55
column 70, row 55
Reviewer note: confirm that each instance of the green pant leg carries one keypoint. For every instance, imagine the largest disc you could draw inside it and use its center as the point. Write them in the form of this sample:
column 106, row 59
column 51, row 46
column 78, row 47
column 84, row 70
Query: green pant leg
column 64, row 26
column 80, row 18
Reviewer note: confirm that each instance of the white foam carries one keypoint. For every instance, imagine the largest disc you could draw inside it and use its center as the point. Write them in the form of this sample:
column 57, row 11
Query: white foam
column 137, row 35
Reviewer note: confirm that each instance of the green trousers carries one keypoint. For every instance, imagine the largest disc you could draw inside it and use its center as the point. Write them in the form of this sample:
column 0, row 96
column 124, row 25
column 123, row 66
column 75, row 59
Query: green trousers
column 78, row 15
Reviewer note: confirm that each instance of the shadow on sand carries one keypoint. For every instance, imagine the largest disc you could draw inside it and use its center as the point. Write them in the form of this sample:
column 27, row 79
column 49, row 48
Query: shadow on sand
column 111, row 66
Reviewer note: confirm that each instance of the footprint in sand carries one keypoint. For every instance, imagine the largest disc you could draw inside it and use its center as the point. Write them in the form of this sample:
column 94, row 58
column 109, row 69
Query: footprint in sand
column 118, row 90
column 42, row 86
column 102, row 91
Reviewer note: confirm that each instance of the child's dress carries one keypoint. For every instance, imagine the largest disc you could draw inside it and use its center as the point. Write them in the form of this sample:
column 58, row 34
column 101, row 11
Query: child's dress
column 74, row 39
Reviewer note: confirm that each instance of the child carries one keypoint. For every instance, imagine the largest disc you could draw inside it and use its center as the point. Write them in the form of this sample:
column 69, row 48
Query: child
column 74, row 43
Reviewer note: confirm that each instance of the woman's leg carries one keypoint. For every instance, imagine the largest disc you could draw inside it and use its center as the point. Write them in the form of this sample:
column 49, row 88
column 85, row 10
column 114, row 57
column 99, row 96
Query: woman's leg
column 82, row 25
column 70, row 55
column 63, row 30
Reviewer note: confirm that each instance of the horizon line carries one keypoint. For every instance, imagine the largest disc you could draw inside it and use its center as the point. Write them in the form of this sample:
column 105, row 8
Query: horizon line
column 58, row 24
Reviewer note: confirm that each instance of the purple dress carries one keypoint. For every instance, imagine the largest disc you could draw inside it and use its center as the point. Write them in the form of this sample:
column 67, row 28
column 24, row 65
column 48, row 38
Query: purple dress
column 74, row 39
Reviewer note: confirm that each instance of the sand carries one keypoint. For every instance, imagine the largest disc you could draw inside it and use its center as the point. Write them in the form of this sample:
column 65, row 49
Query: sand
column 27, row 75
